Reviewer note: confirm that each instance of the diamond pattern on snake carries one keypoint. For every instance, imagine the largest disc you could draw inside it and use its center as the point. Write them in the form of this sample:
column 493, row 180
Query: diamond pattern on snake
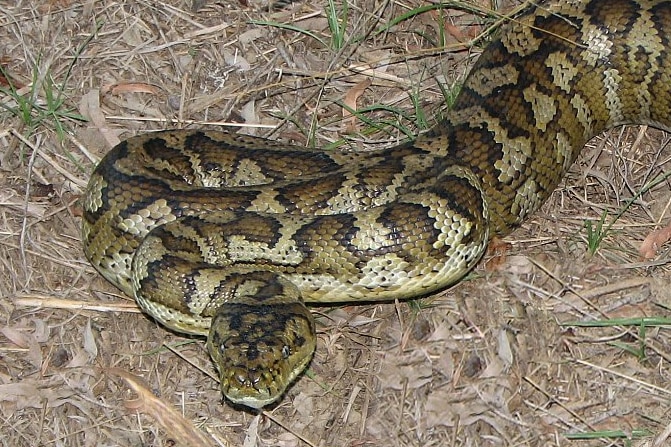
column 228, row 236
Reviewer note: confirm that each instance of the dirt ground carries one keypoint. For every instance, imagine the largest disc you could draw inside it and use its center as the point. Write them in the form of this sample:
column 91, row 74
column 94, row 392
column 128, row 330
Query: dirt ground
column 498, row 360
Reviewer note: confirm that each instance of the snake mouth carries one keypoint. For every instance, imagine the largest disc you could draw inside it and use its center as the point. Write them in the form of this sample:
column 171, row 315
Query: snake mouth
column 261, row 382
column 251, row 388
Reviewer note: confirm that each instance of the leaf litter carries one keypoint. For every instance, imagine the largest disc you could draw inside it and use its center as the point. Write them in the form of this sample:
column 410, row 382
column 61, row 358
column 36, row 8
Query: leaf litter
column 486, row 363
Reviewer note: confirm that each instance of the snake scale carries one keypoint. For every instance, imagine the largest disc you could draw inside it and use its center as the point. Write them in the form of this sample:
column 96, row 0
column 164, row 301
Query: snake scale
column 227, row 236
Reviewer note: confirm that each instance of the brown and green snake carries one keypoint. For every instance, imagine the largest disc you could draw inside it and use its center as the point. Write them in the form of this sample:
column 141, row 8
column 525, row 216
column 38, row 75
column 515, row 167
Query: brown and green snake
column 228, row 236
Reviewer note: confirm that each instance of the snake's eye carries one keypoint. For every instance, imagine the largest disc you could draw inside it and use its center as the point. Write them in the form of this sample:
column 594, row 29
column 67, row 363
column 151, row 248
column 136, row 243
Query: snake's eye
column 222, row 348
column 286, row 351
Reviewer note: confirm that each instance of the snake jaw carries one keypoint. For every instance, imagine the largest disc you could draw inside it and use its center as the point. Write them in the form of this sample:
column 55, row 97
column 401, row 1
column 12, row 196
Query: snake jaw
column 259, row 350
column 255, row 388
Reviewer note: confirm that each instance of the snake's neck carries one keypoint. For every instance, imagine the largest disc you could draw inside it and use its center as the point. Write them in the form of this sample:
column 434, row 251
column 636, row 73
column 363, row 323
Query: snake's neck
column 550, row 83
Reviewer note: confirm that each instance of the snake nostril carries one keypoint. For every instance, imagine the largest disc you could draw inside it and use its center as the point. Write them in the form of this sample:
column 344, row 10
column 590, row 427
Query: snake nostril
column 241, row 378
column 252, row 377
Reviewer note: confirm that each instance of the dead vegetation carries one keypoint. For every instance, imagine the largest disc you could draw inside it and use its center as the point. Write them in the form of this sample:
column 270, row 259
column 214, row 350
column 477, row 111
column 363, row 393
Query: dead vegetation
column 488, row 363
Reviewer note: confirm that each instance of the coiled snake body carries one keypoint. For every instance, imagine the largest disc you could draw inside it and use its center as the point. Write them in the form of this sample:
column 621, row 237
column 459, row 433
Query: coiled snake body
column 226, row 236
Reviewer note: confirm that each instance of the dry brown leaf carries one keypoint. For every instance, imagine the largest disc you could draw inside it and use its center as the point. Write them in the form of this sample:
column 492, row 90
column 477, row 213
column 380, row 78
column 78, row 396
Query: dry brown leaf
column 120, row 88
column 89, row 107
column 89, row 341
column 235, row 59
column 248, row 113
column 5, row 79
column 83, row 355
column 26, row 341
column 11, row 199
column 4, row 82
column 33, row 394
column 410, row 370
column 455, row 31
column 179, row 428
column 505, row 352
column 252, row 433
column 349, row 120
column 653, row 241
column 497, row 254
column 471, row 405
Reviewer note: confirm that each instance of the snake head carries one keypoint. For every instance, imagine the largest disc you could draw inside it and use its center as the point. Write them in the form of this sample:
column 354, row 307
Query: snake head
column 259, row 349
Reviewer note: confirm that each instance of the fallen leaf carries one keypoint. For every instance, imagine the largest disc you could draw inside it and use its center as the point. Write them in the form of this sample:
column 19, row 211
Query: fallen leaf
column 27, row 341
column 128, row 87
column 349, row 120
column 497, row 254
column 653, row 241
column 89, row 107
column 177, row 427
column 5, row 79
column 30, row 394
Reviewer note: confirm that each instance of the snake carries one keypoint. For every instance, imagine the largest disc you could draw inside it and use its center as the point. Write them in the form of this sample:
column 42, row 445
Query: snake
column 230, row 237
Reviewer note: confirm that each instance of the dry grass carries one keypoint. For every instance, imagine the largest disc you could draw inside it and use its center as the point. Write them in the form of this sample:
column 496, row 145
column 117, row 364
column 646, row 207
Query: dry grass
column 485, row 364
